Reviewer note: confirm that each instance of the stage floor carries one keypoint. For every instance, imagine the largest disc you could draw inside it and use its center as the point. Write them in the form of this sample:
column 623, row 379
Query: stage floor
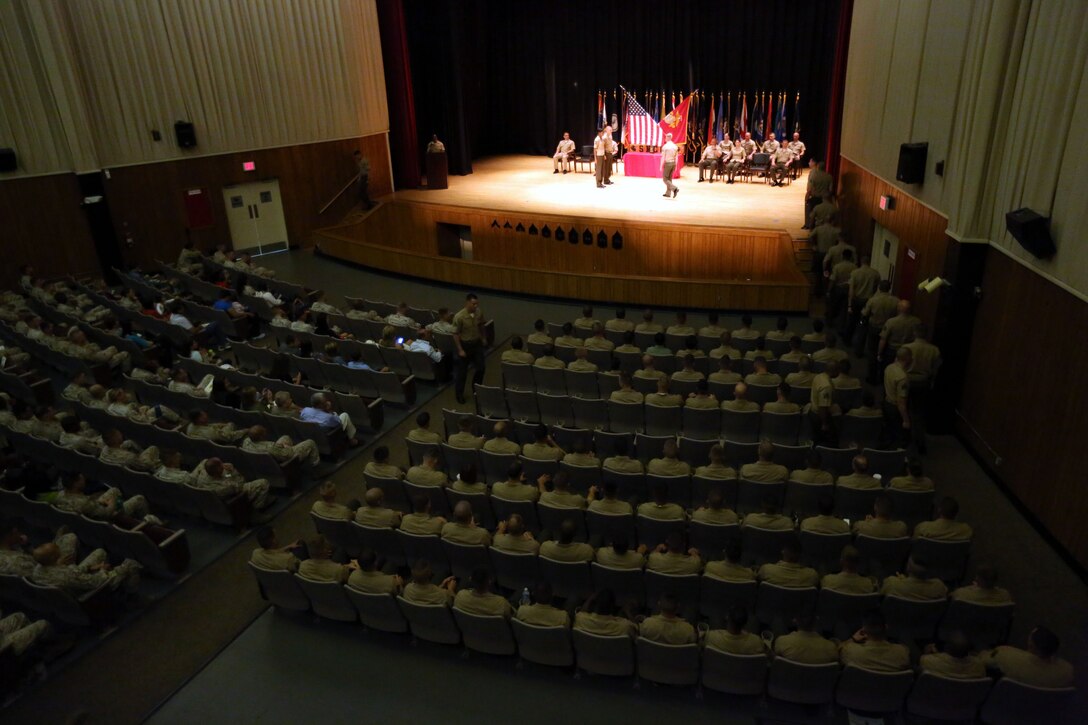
column 526, row 183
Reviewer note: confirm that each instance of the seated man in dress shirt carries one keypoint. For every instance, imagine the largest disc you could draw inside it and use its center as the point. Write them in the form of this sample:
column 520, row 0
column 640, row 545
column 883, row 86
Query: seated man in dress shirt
column 321, row 411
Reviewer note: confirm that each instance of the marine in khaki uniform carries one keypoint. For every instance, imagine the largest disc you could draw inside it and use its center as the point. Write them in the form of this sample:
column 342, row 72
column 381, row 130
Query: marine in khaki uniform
column 945, row 527
column 898, row 330
column 427, row 473
column 565, row 548
column 915, row 585
column 730, row 569
column 869, row 648
column 370, row 580
column 515, row 488
column 270, row 555
column 740, row 402
column 667, row 627
column 715, row 511
column 598, row 616
column 619, row 556
column 516, row 354
column 648, row 324
column 620, row 323
column 805, row 645
column 984, row 589
column 464, row 437
column 847, row 580
column 768, row 517
column 511, row 536
column 421, row 590
column 539, row 336
column 711, row 328
column 373, row 513
column 620, row 462
column 626, row 394
column 568, row 338
column 681, row 328
column 480, row 600
column 760, row 375
column 581, row 364
column 668, row 464
column 879, row 524
column 860, row 479
column 726, row 349
column 955, row 662
column 688, row 372
column 327, row 506
column 381, row 467
column 540, row 613
column 598, row 341
column 548, row 360
column 724, row 375
column 812, row 473
column 702, row 399
column 915, row 481
column 543, row 448
column 670, row 557
column 320, row 567
column 765, row 470
column 783, row 405
column 420, row 521
column 825, row 522
column 897, row 420
column 663, row 398
column 463, row 530
column 788, row 571
column 826, row 211
column 648, row 370
column 734, row 639
column 660, row 508
column 717, row 468
column 561, row 496
column 499, row 443
column 1039, row 665
column 422, row 433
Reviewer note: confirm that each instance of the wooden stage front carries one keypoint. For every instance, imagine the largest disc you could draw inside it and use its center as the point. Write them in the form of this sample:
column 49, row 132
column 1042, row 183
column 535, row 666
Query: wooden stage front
column 714, row 246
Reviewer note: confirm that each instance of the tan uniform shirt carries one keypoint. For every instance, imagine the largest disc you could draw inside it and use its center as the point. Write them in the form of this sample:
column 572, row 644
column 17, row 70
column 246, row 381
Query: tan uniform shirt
column 626, row 396
column 463, row 439
column 908, row 587
column 515, row 491
column 716, row 470
column 764, row 472
column 729, row 571
column 422, row 524
column 816, row 476
column 881, row 529
column 668, row 467
column 667, row 630
column 543, row 615
column 717, row 517
column 899, row 330
column 502, row 445
column 515, row 544
column 880, row 656
column 604, row 625
column 572, row 552
column 673, row 563
column 662, row 512
column 467, row 325
column 863, row 282
column 607, row 556
column 744, row 643
column 427, row 594
column 956, row 668
column 788, row 574
column 943, row 530
column 860, row 481
column 623, row 464
column 460, row 533
column 424, row 476
column 773, row 522
column 518, row 357
column 1030, row 669
column 484, row 605
column 828, row 525
column 541, row 452
column 848, row 583
column 373, row 582
column 806, row 647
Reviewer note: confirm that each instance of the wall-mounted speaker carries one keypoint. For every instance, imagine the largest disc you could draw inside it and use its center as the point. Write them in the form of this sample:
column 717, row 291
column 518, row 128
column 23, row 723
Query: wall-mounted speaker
column 186, row 134
column 8, row 162
column 912, row 163
column 1032, row 231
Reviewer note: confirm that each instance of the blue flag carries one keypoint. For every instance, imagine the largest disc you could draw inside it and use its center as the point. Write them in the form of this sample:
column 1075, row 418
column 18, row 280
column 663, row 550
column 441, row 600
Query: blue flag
column 757, row 122
column 723, row 122
column 780, row 120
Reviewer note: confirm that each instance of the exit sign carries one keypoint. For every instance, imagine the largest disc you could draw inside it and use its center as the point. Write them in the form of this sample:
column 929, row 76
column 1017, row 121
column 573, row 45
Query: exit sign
column 887, row 203
column 249, row 166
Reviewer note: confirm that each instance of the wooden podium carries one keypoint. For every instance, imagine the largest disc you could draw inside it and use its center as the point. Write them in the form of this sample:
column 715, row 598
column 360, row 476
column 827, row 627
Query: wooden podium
column 437, row 171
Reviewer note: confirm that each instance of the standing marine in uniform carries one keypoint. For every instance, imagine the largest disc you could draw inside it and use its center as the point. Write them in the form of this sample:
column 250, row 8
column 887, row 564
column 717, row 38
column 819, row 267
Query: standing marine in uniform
column 668, row 165
column 819, row 185
column 600, row 146
column 563, row 154
column 468, row 337
column 363, row 163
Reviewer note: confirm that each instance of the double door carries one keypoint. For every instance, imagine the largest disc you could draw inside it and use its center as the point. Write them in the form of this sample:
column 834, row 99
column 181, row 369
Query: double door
column 255, row 215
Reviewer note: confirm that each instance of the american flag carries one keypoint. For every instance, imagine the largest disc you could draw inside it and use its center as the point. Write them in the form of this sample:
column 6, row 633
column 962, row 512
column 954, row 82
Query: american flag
column 639, row 128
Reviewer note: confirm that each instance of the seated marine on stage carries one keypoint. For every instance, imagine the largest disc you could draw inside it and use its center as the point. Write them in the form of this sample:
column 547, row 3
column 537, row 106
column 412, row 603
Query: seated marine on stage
column 564, row 154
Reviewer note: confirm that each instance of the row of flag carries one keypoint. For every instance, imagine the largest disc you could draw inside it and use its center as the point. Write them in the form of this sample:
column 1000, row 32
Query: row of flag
column 698, row 117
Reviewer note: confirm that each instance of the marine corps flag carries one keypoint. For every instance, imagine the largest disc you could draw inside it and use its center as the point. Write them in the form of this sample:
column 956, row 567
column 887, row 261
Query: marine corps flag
column 676, row 121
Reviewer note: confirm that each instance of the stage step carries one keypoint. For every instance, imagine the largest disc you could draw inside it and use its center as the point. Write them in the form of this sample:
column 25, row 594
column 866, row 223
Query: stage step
column 802, row 255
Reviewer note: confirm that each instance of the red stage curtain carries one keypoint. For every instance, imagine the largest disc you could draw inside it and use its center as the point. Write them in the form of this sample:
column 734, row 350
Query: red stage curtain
column 403, row 138
column 838, row 89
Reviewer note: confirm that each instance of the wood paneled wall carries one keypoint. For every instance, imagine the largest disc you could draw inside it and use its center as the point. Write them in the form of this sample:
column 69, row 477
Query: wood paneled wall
column 42, row 224
column 659, row 264
column 149, row 198
column 1024, row 397
column 918, row 227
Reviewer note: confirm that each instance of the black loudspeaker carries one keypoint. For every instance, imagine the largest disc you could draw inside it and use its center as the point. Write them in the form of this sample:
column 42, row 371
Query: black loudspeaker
column 912, row 163
column 1032, row 231
column 7, row 160
column 186, row 134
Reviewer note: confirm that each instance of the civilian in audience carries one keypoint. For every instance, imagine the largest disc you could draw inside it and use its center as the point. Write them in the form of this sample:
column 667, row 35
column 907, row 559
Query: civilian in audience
column 768, row 517
column 564, row 548
column 879, row 524
column 422, row 342
column 368, row 578
column 670, row 557
column 320, row 567
column 380, row 467
column 825, row 522
column 427, row 473
column 1039, row 665
column 717, row 467
column 479, row 599
column 765, row 470
column 870, row 649
column 540, row 612
column 953, row 661
column 788, row 571
column 945, row 527
column 463, row 529
column 321, row 411
column 848, row 581
column 916, row 585
column 512, row 536
column 373, row 512
column 734, row 639
column 660, row 508
column 983, row 589
column 598, row 616
column 805, row 645
column 515, row 487
column 499, row 443
column 730, row 569
column 420, row 521
column 421, row 590
column 270, row 555
column 714, row 511
column 860, row 478
column 666, row 626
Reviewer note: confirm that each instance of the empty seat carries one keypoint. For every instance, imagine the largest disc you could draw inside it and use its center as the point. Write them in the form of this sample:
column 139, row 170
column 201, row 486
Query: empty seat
column 280, row 589
column 984, row 625
column 601, row 655
column 911, row 619
column 946, row 698
column 946, row 560
column 882, row 557
column 802, row 684
column 668, row 664
column 513, row 571
column 328, row 599
column 430, row 622
column 543, row 645
column 488, row 634
column 378, row 611
column 568, row 579
column 626, row 584
column 734, row 674
column 873, row 692
column 841, row 613
column 717, row 596
column 1011, row 703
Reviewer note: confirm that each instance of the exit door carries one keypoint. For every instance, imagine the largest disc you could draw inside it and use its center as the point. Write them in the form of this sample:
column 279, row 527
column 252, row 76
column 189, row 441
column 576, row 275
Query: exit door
column 885, row 252
column 255, row 215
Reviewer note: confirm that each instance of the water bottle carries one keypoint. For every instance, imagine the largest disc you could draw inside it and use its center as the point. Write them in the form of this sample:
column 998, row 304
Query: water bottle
column 525, row 599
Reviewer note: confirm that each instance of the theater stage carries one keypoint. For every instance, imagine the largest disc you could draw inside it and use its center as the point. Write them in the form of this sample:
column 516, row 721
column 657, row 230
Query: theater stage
column 724, row 246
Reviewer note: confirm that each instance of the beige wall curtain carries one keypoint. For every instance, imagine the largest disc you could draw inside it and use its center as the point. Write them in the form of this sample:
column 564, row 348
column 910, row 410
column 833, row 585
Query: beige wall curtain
column 84, row 82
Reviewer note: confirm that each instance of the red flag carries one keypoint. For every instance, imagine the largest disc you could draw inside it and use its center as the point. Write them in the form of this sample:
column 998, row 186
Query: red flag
column 744, row 117
column 711, row 131
column 676, row 122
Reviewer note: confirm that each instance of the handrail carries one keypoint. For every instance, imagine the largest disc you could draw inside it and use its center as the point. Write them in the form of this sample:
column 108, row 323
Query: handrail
column 339, row 194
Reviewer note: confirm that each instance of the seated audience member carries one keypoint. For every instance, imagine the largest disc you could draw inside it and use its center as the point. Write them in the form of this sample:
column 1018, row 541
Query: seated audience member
column 283, row 450
column 598, row 616
column 422, row 432
column 789, row 571
column 499, row 443
column 370, row 579
column 327, row 506
column 222, row 479
column 915, row 480
column 870, row 649
column 581, row 363
column 54, row 569
column 765, row 470
column 782, row 404
column 730, row 569
column 515, row 487
column 270, row 555
column 860, row 478
column 714, row 511
column 463, row 529
column 320, row 411
column 668, row 464
column 983, row 589
column 670, row 557
column 954, row 660
column 320, row 567
column 702, row 399
column 734, row 639
column 581, row 455
column 171, row 470
column 717, row 468
column 420, row 521
column 478, row 598
column 740, row 402
column 648, row 369
column 867, row 409
column 880, row 524
column 381, row 467
column 805, row 645
column 543, row 448
column 464, row 438
column 915, row 585
column 373, row 513
column 548, row 360
column 760, row 375
column 626, row 394
column 422, row 590
column 512, row 536
column 565, row 548
column 427, row 473
column 825, row 522
column 561, row 496
column 1038, row 665
column 660, row 507
column 539, row 336
column 847, row 580
column 540, row 612
column 467, row 481
column 619, row 461
column 598, row 341
column 106, row 505
column 516, row 354
column 945, row 527
column 769, row 516
column 663, row 398
column 568, row 338
column 812, row 473
column 666, row 626
column 619, row 555
column 603, row 500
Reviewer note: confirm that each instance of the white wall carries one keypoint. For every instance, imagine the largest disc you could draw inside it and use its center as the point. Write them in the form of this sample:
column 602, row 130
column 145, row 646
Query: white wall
column 999, row 90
